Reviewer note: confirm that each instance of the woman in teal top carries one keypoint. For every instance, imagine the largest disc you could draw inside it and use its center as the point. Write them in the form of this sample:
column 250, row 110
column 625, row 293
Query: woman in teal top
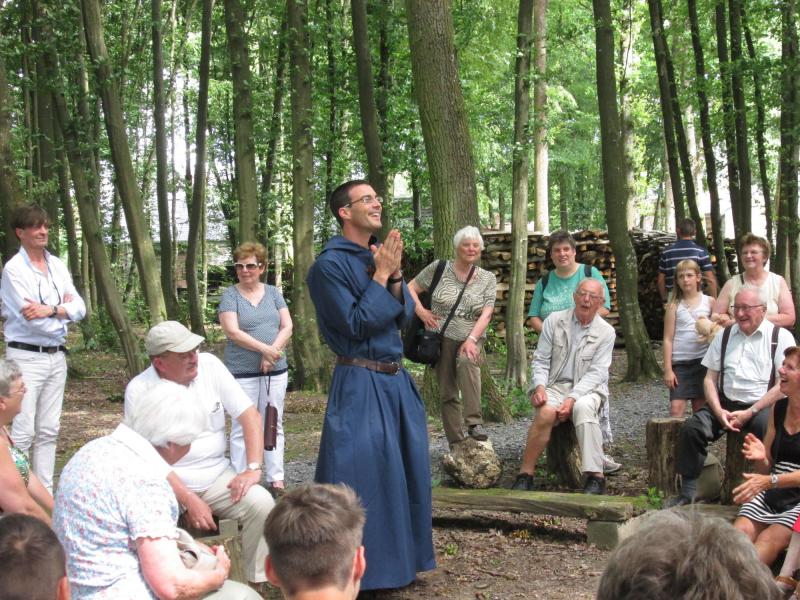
column 20, row 489
column 554, row 291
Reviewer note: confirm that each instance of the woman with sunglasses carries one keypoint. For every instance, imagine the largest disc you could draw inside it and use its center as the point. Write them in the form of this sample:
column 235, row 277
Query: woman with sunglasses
column 256, row 321
column 20, row 489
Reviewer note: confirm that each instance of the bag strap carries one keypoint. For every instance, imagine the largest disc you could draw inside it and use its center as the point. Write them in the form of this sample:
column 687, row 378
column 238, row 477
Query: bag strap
column 587, row 270
column 461, row 293
column 726, row 334
column 437, row 275
column 773, row 350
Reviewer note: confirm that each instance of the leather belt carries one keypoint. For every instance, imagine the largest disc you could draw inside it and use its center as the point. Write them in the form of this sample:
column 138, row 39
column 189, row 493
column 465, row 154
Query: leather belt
column 35, row 348
column 390, row 368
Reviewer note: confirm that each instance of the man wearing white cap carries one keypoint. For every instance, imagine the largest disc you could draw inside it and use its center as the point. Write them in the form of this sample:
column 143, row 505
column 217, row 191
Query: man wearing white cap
column 204, row 480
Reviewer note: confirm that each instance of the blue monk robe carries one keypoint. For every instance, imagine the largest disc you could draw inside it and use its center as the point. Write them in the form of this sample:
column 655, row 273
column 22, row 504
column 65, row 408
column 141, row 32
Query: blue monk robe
column 374, row 437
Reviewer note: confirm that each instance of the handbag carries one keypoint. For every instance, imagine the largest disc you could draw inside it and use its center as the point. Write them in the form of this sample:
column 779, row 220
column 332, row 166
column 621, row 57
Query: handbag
column 419, row 344
column 195, row 555
column 270, row 427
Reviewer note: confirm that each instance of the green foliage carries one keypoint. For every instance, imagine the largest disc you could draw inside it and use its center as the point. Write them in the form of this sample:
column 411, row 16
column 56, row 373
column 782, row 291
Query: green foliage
column 652, row 500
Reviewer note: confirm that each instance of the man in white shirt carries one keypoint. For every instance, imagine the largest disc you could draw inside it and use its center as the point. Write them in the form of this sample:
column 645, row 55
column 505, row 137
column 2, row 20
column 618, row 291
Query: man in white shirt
column 570, row 382
column 737, row 390
column 204, row 480
column 38, row 302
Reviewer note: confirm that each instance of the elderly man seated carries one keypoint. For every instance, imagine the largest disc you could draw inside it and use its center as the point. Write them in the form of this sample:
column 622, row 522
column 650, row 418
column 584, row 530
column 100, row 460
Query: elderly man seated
column 204, row 481
column 740, row 382
column 570, row 381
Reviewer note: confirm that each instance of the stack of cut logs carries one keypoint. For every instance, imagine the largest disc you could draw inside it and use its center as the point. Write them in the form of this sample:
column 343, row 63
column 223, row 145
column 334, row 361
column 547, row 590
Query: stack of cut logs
column 593, row 248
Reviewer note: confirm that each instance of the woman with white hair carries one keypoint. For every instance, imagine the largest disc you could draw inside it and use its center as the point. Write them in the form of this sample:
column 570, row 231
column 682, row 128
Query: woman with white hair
column 458, row 369
column 20, row 489
column 115, row 512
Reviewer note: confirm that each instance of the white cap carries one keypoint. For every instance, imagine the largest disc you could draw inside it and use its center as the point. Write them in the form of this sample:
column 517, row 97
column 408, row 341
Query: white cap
column 170, row 336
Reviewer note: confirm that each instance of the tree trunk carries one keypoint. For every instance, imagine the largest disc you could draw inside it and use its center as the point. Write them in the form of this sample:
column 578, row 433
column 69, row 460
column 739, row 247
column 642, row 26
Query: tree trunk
column 790, row 137
column 717, row 224
column 376, row 169
column 93, row 232
column 641, row 361
column 162, row 166
column 667, row 114
column 245, row 154
column 197, row 207
column 563, row 456
column 444, row 120
column 740, row 114
column 517, row 356
column 541, row 151
column 564, row 192
column 141, row 241
column 728, row 120
column 661, row 441
column 311, row 370
column 627, row 59
column 10, row 192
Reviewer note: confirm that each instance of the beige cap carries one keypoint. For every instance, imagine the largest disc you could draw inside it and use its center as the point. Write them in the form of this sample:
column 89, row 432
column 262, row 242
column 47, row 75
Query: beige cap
column 170, row 336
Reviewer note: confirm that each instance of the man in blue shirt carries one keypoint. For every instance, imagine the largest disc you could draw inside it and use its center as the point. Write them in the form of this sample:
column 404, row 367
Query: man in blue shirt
column 374, row 437
column 685, row 248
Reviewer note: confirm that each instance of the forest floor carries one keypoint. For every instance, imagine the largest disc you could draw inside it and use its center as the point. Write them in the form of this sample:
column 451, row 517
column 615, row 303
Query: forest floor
column 480, row 554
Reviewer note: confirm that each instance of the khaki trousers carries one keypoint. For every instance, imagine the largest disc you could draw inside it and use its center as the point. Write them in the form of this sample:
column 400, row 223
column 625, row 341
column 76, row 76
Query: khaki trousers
column 458, row 374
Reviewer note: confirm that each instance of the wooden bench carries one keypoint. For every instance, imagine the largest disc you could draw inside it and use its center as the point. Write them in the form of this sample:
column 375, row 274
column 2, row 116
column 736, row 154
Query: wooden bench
column 227, row 535
column 604, row 514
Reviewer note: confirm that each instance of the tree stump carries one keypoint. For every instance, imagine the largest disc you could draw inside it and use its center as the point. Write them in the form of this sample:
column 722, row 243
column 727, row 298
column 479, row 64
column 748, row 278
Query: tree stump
column 564, row 456
column 735, row 464
column 661, row 441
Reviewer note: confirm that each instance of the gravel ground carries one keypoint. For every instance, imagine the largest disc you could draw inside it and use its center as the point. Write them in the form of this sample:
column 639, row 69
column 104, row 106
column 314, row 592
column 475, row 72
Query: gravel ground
column 632, row 405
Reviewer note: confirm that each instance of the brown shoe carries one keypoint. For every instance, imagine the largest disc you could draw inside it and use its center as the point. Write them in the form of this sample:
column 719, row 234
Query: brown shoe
column 477, row 433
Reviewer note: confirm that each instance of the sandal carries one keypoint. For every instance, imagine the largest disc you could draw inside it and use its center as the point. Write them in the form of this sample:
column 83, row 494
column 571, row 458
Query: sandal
column 787, row 585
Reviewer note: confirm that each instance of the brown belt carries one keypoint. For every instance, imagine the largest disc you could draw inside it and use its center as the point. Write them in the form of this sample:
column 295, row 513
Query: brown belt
column 390, row 368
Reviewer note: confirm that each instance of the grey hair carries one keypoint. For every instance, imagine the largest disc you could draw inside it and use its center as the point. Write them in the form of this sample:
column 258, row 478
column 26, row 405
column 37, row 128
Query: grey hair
column 686, row 555
column 9, row 373
column 748, row 287
column 166, row 412
column 469, row 232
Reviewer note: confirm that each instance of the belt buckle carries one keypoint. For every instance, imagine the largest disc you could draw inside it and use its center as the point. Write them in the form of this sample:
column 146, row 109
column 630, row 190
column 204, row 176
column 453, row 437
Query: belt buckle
column 396, row 366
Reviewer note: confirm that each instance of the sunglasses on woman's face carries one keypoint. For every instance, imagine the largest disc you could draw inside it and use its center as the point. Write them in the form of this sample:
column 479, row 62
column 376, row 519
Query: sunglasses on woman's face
column 246, row 266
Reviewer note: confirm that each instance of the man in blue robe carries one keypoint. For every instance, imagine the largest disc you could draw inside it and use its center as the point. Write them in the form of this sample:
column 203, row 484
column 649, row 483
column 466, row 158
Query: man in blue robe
column 374, row 437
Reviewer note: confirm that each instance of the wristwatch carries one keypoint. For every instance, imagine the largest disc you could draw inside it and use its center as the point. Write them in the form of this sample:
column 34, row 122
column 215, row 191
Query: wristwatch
column 55, row 311
column 254, row 466
column 773, row 480
column 754, row 410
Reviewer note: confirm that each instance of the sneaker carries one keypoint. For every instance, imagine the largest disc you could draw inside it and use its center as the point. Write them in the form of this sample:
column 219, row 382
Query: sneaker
column 610, row 465
column 477, row 433
column 523, row 482
column 595, row 486
column 679, row 500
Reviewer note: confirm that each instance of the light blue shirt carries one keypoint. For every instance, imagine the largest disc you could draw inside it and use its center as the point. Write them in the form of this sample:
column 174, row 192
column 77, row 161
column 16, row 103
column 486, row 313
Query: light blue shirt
column 23, row 283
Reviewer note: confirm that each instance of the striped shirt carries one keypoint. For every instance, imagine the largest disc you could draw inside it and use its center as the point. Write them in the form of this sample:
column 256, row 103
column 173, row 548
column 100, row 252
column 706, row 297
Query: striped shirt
column 682, row 250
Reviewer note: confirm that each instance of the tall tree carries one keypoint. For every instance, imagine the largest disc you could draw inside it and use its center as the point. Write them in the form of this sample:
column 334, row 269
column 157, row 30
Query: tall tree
column 641, row 361
column 444, row 120
column 10, row 192
column 516, row 362
column 540, row 147
column 370, row 127
column 162, row 165
column 244, row 147
column 717, row 224
column 311, row 372
column 141, row 241
column 740, row 114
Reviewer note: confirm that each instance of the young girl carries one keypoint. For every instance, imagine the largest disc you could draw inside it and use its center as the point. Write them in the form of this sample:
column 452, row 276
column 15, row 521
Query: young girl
column 683, row 351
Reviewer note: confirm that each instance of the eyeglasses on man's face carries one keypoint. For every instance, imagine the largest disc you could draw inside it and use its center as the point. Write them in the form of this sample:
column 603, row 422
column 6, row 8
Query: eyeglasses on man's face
column 746, row 307
column 246, row 266
column 365, row 200
column 585, row 294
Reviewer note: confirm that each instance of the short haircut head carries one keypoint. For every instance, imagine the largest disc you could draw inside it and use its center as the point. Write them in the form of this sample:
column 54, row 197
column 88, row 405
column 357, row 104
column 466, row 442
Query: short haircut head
column 686, row 228
column 166, row 412
column 313, row 534
column 752, row 289
column 470, row 232
column 9, row 373
column 341, row 196
column 251, row 249
column 32, row 561
column 750, row 239
column 686, row 555
column 561, row 236
column 29, row 215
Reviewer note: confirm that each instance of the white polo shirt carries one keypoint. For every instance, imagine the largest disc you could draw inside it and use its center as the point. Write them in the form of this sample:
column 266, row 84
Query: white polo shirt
column 219, row 393
column 748, row 361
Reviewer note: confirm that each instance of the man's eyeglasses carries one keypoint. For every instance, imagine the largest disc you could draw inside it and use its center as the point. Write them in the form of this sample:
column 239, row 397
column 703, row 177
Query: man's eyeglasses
column 365, row 200
column 582, row 294
column 246, row 266
column 746, row 307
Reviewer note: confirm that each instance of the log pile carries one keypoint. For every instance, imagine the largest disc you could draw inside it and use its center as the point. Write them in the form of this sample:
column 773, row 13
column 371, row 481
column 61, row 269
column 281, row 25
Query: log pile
column 593, row 248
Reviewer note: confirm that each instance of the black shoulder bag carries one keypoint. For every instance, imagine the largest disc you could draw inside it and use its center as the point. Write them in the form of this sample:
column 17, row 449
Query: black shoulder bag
column 419, row 344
